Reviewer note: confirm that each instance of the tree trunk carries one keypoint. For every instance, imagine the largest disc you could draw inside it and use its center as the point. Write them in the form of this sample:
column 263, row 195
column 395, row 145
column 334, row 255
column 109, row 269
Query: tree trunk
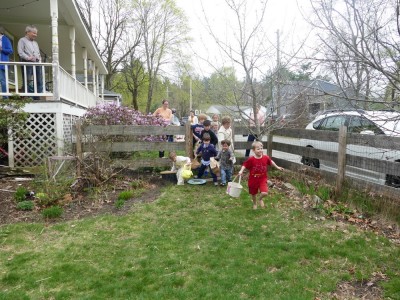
column 135, row 98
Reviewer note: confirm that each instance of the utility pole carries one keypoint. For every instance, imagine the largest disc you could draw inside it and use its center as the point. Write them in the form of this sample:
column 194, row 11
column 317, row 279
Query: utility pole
column 278, row 76
column 190, row 95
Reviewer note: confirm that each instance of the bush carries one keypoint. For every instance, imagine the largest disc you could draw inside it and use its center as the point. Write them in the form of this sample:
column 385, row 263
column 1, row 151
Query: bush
column 25, row 205
column 20, row 194
column 44, row 199
column 125, row 195
column 12, row 116
column 52, row 212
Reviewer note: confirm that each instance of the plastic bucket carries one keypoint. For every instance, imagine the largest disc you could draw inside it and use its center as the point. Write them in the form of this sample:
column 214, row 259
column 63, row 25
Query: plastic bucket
column 234, row 188
column 187, row 172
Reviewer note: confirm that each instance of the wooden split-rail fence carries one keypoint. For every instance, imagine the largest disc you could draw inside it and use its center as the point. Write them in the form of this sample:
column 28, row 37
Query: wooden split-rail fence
column 88, row 140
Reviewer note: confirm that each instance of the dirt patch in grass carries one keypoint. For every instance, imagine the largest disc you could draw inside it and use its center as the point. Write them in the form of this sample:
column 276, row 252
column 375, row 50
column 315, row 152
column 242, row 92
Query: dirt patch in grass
column 367, row 289
column 77, row 205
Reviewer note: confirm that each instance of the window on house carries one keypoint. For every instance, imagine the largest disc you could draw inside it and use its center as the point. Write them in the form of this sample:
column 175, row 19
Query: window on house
column 314, row 108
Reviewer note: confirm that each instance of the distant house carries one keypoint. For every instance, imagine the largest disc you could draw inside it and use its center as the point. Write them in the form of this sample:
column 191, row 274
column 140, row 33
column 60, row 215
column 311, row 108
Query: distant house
column 67, row 50
column 106, row 95
column 111, row 97
column 312, row 96
column 237, row 113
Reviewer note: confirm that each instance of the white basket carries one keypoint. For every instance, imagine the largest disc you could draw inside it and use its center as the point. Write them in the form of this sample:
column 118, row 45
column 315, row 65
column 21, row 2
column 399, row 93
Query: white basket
column 234, row 188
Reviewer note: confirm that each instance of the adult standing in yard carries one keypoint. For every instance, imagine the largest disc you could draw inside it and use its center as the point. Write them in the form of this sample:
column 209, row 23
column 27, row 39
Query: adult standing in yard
column 193, row 120
column 29, row 51
column 5, row 51
column 260, row 116
column 166, row 113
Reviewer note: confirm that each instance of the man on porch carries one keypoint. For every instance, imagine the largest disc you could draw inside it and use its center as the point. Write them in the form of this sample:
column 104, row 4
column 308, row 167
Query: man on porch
column 28, row 51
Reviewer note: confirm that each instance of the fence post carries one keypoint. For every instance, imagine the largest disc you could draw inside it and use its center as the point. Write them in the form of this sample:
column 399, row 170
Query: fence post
column 189, row 140
column 269, row 139
column 79, row 155
column 341, row 159
column 11, row 158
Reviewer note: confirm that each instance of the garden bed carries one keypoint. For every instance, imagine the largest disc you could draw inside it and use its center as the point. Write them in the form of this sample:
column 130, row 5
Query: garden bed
column 76, row 205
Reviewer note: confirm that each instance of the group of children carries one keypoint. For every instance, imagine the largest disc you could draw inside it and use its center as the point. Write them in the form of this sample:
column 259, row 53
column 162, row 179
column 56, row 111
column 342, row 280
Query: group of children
column 219, row 145
column 209, row 143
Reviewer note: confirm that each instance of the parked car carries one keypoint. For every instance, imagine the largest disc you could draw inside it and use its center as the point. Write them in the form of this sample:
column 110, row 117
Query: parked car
column 286, row 118
column 184, row 120
column 362, row 122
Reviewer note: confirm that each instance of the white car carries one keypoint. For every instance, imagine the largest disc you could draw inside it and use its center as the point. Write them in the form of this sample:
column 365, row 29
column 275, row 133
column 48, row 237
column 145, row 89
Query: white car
column 362, row 122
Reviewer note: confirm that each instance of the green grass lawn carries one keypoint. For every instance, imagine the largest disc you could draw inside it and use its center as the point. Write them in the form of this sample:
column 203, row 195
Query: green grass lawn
column 194, row 242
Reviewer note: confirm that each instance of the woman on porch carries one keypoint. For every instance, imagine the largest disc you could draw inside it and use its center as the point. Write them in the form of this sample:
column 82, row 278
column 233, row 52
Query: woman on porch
column 5, row 51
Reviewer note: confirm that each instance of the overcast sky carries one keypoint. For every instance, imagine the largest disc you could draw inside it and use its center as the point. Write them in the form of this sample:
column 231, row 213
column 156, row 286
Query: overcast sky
column 282, row 15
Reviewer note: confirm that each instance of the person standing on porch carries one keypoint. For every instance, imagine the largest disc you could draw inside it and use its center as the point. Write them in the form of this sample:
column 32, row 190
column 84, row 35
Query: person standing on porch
column 29, row 51
column 166, row 113
column 5, row 51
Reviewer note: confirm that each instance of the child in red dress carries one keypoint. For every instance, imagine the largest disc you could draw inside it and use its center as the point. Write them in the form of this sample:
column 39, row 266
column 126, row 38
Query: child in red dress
column 258, row 166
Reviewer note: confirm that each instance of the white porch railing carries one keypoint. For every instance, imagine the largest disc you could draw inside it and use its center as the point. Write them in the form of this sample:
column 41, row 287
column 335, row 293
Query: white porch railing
column 75, row 92
column 70, row 89
column 22, row 85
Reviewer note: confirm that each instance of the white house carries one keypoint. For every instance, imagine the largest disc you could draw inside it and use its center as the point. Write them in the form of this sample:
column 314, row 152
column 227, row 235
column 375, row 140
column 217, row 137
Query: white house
column 69, row 50
column 238, row 113
column 316, row 95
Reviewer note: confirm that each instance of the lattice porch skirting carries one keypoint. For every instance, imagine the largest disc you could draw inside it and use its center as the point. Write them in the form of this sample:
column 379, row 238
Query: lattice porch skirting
column 46, row 135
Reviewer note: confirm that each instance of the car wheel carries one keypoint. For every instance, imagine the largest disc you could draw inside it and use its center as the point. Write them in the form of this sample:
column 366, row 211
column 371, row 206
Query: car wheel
column 312, row 162
column 393, row 180
column 309, row 161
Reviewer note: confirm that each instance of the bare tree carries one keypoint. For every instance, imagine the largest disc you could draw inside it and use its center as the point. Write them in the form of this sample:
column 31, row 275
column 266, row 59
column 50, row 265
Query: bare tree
column 88, row 10
column 113, row 30
column 249, row 52
column 360, row 43
column 164, row 29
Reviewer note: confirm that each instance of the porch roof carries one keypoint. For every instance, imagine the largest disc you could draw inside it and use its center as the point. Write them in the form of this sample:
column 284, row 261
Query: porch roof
column 16, row 14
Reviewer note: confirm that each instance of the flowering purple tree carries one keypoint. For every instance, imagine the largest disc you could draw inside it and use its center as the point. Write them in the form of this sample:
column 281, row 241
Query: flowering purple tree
column 97, row 166
column 112, row 114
